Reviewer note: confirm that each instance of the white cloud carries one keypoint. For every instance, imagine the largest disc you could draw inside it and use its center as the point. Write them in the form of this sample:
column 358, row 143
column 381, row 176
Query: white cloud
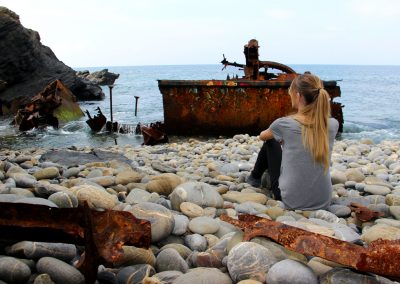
column 334, row 29
column 279, row 14
column 376, row 9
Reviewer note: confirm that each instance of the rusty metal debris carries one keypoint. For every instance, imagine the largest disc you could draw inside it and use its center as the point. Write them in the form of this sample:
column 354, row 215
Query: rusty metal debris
column 97, row 122
column 103, row 233
column 363, row 213
column 381, row 256
column 236, row 105
column 253, row 64
column 51, row 106
column 153, row 134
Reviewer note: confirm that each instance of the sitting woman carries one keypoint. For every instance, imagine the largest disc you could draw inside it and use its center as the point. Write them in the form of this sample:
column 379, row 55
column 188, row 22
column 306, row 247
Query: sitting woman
column 298, row 148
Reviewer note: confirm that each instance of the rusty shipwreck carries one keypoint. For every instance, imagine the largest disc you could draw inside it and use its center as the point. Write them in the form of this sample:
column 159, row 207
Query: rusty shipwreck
column 55, row 104
column 235, row 105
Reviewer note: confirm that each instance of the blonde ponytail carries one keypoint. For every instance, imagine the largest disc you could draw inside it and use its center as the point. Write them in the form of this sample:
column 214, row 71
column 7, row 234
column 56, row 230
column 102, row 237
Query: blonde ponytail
column 314, row 130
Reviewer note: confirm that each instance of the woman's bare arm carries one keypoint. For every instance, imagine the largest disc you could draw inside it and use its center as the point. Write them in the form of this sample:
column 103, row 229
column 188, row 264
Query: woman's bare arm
column 266, row 135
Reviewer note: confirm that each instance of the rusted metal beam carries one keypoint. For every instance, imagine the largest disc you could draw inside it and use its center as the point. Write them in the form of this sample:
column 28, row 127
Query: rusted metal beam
column 103, row 233
column 380, row 257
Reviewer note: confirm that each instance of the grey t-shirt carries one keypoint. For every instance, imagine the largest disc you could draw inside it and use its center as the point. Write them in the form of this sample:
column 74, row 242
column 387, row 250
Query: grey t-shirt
column 302, row 181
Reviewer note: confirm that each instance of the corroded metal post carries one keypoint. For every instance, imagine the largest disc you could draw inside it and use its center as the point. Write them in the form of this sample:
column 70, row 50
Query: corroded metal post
column 136, row 101
column 111, row 111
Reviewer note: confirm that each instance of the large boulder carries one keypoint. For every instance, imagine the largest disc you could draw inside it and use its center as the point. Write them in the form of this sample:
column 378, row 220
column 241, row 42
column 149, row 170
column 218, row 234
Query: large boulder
column 102, row 77
column 27, row 66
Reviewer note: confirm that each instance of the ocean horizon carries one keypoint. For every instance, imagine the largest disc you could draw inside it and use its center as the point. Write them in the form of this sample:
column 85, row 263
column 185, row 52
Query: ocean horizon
column 79, row 68
column 369, row 94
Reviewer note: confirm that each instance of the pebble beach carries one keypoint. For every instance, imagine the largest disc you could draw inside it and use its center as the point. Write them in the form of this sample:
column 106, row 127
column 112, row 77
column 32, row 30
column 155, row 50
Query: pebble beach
column 182, row 188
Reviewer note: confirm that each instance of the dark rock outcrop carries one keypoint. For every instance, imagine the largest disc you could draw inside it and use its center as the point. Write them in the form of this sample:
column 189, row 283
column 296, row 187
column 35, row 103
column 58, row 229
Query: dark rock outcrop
column 102, row 77
column 27, row 66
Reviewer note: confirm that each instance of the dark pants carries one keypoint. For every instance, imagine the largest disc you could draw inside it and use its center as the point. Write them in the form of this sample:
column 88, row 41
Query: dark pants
column 270, row 158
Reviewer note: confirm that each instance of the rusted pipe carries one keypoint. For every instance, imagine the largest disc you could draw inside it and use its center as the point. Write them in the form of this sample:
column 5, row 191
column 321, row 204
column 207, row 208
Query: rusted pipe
column 380, row 257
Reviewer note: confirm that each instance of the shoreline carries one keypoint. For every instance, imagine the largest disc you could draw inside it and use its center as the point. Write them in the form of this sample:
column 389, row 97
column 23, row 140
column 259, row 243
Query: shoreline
column 165, row 184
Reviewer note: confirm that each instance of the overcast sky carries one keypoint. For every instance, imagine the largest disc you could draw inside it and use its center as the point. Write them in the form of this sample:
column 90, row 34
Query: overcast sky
column 89, row 33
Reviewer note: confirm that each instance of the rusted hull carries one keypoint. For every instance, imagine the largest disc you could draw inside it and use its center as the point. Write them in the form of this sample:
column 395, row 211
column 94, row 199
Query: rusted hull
column 55, row 104
column 227, row 107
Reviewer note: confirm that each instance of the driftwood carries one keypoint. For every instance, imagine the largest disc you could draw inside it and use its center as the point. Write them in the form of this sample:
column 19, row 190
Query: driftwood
column 103, row 233
column 380, row 257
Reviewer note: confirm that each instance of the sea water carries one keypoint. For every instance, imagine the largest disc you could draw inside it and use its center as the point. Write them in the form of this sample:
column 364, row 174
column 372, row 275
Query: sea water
column 370, row 95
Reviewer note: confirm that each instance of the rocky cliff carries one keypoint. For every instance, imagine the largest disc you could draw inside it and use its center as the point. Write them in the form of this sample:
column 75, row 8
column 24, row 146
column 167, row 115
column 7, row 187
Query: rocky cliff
column 27, row 66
